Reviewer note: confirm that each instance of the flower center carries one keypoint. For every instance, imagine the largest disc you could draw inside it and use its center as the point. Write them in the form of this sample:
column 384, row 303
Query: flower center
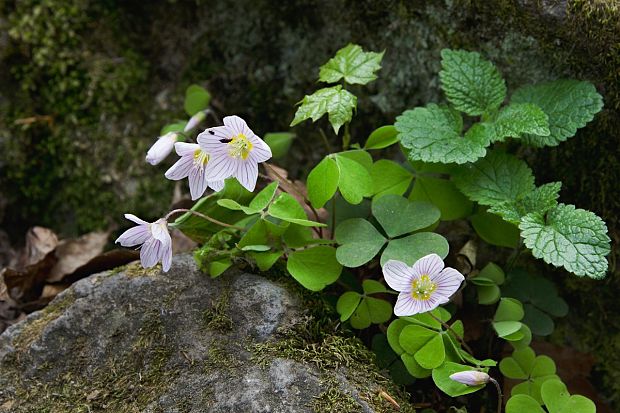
column 240, row 146
column 422, row 288
column 200, row 157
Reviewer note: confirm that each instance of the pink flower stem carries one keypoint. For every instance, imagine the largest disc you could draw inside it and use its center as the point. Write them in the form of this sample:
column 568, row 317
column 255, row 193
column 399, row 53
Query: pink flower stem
column 203, row 216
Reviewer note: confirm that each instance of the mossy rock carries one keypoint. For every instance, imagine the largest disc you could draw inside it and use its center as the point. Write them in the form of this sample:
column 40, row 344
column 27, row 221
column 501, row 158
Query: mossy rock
column 120, row 341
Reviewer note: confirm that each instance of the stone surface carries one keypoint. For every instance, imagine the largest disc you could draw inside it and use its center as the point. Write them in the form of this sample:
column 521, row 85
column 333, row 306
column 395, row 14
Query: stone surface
column 154, row 342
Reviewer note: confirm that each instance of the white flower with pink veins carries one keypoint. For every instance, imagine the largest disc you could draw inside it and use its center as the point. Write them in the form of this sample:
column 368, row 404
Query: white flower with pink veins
column 424, row 286
column 192, row 165
column 235, row 151
column 154, row 238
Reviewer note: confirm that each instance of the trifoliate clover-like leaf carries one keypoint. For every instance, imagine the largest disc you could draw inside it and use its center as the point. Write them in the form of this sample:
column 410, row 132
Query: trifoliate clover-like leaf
column 540, row 200
column 337, row 102
column 520, row 118
column 472, row 84
column 497, row 178
column 568, row 237
column 353, row 64
column 569, row 104
column 433, row 134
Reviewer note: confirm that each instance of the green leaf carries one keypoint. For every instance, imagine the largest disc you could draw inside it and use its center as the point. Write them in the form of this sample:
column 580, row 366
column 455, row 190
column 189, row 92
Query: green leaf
column 258, row 248
column 298, row 236
column 265, row 260
column 432, row 354
column 413, row 247
column 172, row 127
column 472, row 84
column 497, row 178
column 507, row 328
column 488, row 295
column 353, row 64
column 314, row 268
column 347, row 303
column 358, row 155
column 494, row 230
column 359, row 242
column 380, row 310
column 287, row 208
column 542, row 199
column 558, row 399
column 323, row 182
column 575, row 239
column 373, row 287
column 279, row 142
column 569, row 104
column 216, row 268
column 354, row 180
column 433, row 134
column 382, row 137
column 444, row 195
column 264, row 197
column 509, row 309
column 393, row 335
column 413, row 337
column 519, row 118
column 525, row 365
column 388, row 177
column 360, row 318
column 521, row 403
column 398, row 215
column 335, row 101
column 493, row 272
column 197, row 98
column 441, row 377
column 413, row 367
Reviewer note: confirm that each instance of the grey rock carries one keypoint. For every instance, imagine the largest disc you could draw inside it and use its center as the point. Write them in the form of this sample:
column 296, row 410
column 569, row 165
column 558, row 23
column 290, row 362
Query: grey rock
column 147, row 341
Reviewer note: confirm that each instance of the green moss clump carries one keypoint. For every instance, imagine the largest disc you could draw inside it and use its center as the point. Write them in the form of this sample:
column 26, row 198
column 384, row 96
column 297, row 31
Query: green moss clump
column 216, row 318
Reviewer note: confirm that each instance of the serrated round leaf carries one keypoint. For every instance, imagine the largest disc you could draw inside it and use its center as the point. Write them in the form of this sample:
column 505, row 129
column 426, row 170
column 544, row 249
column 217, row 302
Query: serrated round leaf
column 433, row 134
column 472, row 84
column 521, row 403
column 411, row 248
column 494, row 230
column 432, row 354
column 388, row 177
column 352, row 64
column 413, row 367
column 347, row 303
column 354, row 180
column 517, row 119
column 393, row 335
column 572, row 238
column 197, row 98
column 337, row 102
column 359, row 242
column 569, row 104
column 441, row 377
column 382, row 137
column 444, row 195
column 398, row 215
column 497, row 178
column 279, row 143
column 314, row 268
column 322, row 182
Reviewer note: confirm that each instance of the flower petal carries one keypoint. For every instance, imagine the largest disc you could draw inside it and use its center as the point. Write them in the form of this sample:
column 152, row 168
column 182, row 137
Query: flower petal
column 221, row 167
column 448, row 282
column 429, row 264
column 217, row 186
column 134, row 236
column 406, row 305
column 430, row 304
column 184, row 148
column 210, row 140
column 398, row 275
column 237, row 124
column 181, row 168
column 260, row 152
column 247, row 174
column 471, row 377
column 161, row 148
column 166, row 259
column 135, row 219
column 159, row 229
column 197, row 182
column 149, row 253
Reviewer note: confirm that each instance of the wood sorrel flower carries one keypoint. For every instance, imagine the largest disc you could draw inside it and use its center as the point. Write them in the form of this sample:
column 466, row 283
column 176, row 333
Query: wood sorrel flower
column 161, row 148
column 192, row 165
column 155, row 240
column 471, row 377
column 422, row 287
column 235, row 151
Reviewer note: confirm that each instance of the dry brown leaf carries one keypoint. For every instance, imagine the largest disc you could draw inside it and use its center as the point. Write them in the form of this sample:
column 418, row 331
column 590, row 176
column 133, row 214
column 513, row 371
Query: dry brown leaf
column 52, row 290
column 74, row 253
column 40, row 242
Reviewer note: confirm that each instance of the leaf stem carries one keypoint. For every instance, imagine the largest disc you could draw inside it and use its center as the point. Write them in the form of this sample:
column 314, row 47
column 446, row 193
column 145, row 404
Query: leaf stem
column 457, row 335
column 203, row 216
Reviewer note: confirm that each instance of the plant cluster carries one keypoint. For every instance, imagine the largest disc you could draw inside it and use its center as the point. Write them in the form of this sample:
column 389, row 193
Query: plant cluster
column 361, row 222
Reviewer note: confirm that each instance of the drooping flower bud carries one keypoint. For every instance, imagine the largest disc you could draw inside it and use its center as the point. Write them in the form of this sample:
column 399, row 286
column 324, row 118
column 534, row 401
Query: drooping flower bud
column 195, row 120
column 471, row 378
column 161, row 148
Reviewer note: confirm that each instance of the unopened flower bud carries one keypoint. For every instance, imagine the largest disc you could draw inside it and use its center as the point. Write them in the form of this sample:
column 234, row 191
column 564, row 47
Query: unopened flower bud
column 195, row 120
column 161, row 148
column 471, row 378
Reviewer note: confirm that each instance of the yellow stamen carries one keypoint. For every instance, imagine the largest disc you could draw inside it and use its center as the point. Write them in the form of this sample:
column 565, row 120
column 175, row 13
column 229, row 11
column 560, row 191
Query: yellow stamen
column 201, row 157
column 240, row 146
column 422, row 288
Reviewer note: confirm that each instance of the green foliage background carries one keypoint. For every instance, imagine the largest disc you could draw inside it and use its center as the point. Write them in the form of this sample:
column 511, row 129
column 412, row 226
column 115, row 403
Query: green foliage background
column 101, row 77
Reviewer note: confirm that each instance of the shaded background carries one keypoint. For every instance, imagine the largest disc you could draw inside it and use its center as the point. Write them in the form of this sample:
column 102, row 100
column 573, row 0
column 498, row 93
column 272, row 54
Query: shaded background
column 85, row 87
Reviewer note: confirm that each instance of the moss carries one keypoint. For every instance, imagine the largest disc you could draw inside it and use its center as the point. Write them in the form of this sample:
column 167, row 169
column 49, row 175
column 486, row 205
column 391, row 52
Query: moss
column 334, row 399
column 216, row 318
